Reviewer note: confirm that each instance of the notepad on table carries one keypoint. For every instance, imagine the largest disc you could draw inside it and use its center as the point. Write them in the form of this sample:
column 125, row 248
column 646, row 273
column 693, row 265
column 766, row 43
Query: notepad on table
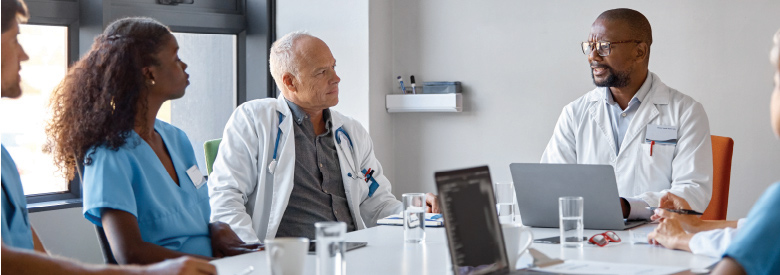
column 431, row 220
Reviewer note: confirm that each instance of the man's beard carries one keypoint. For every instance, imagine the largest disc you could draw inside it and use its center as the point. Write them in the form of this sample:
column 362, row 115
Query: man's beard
column 614, row 79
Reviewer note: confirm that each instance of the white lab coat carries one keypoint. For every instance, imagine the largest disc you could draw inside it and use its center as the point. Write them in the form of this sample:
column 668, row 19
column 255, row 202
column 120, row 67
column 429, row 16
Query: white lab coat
column 583, row 135
column 245, row 195
column 714, row 242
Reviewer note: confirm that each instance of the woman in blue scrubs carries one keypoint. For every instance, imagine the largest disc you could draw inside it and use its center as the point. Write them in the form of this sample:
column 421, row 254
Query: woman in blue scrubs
column 140, row 177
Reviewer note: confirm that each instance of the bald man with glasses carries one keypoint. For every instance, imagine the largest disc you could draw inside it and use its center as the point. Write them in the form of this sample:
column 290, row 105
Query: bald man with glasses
column 656, row 138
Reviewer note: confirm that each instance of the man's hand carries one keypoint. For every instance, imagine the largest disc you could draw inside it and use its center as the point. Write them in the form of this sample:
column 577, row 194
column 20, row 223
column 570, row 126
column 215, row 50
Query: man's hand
column 626, row 207
column 181, row 266
column 670, row 234
column 432, row 202
column 225, row 242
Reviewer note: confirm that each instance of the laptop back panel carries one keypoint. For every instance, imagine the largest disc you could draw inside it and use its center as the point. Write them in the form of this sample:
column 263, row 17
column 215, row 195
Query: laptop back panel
column 538, row 186
column 473, row 232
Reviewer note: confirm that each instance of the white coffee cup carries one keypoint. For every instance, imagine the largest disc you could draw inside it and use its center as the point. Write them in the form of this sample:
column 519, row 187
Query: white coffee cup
column 514, row 243
column 286, row 256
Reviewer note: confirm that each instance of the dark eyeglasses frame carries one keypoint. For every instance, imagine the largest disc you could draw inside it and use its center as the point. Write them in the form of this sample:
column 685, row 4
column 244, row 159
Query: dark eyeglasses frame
column 606, row 238
column 603, row 48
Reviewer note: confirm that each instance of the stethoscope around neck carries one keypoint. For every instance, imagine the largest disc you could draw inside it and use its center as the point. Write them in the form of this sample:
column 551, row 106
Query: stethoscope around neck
column 353, row 174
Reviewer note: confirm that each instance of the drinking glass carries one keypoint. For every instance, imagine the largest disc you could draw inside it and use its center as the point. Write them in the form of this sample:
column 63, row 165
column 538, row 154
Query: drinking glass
column 330, row 248
column 505, row 201
column 414, row 217
column 570, row 211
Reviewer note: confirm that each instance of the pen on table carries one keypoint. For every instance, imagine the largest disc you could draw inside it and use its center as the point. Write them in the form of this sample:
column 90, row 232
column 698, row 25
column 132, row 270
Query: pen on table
column 414, row 86
column 400, row 80
column 678, row 211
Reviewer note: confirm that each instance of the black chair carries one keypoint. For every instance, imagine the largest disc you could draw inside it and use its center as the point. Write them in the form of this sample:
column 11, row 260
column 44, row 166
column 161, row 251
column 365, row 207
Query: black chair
column 108, row 256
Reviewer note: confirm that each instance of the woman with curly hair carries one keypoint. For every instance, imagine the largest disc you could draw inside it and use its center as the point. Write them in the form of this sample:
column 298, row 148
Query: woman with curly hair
column 141, row 180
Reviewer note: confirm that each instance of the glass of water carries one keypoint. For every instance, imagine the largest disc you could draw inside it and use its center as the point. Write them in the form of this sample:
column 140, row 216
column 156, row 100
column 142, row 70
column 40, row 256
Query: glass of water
column 414, row 217
column 570, row 211
column 505, row 201
column 330, row 248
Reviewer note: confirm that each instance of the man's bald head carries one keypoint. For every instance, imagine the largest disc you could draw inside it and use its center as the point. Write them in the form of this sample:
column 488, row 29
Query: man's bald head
column 637, row 23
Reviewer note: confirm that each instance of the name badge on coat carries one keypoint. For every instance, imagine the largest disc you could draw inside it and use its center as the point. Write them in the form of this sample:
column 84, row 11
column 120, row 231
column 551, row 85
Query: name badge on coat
column 197, row 178
column 661, row 134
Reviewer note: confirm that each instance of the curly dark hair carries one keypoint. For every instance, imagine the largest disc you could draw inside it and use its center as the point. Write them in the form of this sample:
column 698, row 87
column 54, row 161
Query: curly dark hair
column 97, row 102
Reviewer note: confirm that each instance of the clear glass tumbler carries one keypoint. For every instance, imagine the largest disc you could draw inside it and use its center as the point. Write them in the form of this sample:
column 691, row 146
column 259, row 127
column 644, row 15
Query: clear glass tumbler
column 331, row 248
column 570, row 211
column 414, row 217
column 505, row 201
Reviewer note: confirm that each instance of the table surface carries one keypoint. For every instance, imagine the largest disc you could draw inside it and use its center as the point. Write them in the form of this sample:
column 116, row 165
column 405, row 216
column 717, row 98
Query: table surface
column 387, row 253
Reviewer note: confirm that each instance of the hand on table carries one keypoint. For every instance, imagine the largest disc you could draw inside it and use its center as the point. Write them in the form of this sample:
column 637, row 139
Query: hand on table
column 689, row 223
column 432, row 202
column 225, row 242
column 671, row 234
column 181, row 266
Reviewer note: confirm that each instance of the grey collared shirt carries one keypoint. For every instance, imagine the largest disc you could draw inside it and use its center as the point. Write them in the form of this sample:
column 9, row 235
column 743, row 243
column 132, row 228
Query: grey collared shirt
column 318, row 189
column 620, row 118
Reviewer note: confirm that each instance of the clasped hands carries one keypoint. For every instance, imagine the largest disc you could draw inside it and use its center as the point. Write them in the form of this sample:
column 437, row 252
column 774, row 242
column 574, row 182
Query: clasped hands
column 674, row 230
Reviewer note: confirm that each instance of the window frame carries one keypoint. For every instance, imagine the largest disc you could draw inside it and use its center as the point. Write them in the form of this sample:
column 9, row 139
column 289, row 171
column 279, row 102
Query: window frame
column 252, row 21
column 63, row 14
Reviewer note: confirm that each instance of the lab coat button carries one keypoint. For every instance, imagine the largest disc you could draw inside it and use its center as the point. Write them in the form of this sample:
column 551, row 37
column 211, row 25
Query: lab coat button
column 623, row 115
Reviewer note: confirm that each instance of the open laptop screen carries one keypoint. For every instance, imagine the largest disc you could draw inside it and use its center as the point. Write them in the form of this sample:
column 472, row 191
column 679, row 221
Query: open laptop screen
column 473, row 231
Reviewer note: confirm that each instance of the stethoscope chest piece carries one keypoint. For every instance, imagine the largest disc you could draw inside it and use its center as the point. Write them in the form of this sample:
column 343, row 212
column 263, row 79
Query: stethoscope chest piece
column 272, row 166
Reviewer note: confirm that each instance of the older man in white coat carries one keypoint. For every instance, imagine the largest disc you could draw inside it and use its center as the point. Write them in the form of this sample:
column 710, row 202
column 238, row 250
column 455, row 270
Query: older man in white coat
column 657, row 138
column 286, row 163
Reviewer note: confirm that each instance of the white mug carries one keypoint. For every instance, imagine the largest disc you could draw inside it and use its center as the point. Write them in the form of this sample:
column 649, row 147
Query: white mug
column 513, row 240
column 286, row 256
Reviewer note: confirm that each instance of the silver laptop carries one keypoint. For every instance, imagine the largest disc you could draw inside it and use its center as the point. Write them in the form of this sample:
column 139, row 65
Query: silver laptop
column 538, row 186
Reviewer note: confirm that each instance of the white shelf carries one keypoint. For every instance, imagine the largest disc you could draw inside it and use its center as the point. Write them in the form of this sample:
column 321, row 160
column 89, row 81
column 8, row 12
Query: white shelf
column 399, row 103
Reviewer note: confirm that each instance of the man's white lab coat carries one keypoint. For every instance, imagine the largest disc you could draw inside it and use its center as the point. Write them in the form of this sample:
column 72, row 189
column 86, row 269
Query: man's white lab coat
column 245, row 195
column 583, row 135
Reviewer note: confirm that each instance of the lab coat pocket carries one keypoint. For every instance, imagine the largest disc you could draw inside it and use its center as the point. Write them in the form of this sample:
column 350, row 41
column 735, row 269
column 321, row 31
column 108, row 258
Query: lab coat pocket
column 360, row 188
column 658, row 165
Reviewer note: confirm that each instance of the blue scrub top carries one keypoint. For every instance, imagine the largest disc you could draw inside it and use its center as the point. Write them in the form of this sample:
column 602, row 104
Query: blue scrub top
column 132, row 179
column 16, row 230
column 755, row 247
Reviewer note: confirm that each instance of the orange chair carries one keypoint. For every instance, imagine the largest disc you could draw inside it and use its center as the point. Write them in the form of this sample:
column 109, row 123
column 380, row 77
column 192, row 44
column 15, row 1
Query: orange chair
column 722, row 150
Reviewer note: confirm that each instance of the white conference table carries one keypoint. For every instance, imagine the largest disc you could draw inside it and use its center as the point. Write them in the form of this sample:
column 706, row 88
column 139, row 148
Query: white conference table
column 386, row 253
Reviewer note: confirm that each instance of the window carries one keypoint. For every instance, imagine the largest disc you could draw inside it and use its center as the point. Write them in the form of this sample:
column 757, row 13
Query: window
column 24, row 119
column 211, row 96
column 222, row 42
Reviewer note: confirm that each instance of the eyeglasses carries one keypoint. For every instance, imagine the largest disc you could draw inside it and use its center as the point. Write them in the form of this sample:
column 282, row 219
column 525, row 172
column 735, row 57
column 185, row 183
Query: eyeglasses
column 604, row 48
column 604, row 238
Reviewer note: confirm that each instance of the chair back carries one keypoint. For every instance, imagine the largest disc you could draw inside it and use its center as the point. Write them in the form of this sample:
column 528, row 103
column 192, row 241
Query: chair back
column 210, row 149
column 722, row 150
column 108, row 256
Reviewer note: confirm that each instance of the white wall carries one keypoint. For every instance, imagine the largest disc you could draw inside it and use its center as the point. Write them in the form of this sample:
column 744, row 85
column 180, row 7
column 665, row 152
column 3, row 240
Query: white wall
column 359, row 34
column 520, row 63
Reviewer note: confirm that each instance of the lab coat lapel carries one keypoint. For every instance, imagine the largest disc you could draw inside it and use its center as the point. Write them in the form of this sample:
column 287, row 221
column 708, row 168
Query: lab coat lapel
column 283, row 176
column 345, row 156
column 600, row 116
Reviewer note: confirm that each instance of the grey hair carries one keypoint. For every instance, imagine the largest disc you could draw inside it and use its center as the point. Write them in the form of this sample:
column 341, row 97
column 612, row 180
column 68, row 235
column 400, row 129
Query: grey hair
column 774, row 55
column 282, row 56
